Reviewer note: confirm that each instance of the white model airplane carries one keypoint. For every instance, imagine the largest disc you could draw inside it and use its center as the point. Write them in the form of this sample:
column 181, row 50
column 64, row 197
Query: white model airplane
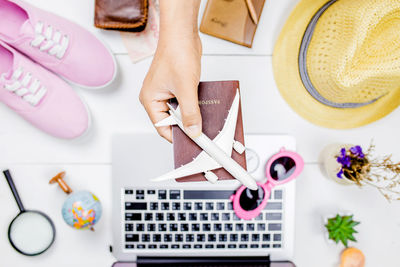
column 216, row 153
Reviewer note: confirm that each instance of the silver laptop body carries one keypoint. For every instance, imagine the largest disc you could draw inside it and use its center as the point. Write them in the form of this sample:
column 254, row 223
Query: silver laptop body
column 171, row 219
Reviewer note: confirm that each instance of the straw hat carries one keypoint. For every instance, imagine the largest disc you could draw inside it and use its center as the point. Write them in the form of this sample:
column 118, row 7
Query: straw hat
column 337, row 63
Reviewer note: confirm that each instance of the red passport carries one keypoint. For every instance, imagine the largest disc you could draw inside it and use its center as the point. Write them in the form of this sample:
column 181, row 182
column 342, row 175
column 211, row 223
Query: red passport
column 215, row 101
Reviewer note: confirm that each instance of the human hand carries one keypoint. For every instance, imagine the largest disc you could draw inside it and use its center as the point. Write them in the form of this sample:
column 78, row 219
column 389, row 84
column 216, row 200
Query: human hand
column 174, row 72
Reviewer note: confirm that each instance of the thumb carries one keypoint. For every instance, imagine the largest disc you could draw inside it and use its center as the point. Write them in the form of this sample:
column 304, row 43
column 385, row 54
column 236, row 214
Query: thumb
column 189, row 105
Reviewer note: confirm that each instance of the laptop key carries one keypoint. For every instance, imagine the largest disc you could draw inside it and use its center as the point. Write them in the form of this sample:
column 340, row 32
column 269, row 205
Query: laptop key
column 185, row 227
column 239, row 227
column 214, row 216
column 232, row 246
column 131, row 238
column 135, row 206
column 230, row 206
column 181, row 216
column 265, row 246
column 133, row 217
column 178, row 238
column 212, row 237
column 129, row 246
column 209, row 246
column 228, row 227
column 140, row 227
column 165, row 206
column 261, row 227
column 195, row 227
column 163, row 246
column 255, row 237
column 157, row 238
column 167, row 238
column 273, row 206
column 218, row 227
column 203, row 216
column 162, row 227
column 175, row 246
column 235, row 217
column 201, row 238
column 244, row 237
column 128, row 227
column 159, row 216
column 189, row 237
column 153, row 206
column 176, row 206
column 243, row 246
column 278, row 194
column 141, row 246
column 151, row 227
column 209, row 206
column 273, row 216
column 206, row 227
column 152, row 246
column 233, row 237
column 277, row 237
column 226, row 217
column 266, row 237
column 175, row 194
column 259, row 217
column 220, row 246
column 148, row 217
column 128, row 192
column 198, row 206
column 186, row 246
column 151, row 192
column 274, row 227
column 254, row 246
column 250, row 227
column 173, row 227
column 162, row 194
column 187, row 206
column 220, row 206
column 223, row 237
column 198, row 246
column 146, row 238
column 193, row 216
column 276, row 246
column 170, row 217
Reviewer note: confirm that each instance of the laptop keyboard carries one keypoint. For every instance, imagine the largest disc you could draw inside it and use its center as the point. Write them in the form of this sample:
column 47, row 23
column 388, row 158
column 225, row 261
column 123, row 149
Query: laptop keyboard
column 197, row 220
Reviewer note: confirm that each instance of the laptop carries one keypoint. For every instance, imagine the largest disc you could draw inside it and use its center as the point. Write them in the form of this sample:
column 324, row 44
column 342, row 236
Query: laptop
column 193, row 224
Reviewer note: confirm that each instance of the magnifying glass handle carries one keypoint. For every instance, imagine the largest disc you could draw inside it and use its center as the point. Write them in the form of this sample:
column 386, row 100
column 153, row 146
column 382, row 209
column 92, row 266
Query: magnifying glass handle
column 10, row 182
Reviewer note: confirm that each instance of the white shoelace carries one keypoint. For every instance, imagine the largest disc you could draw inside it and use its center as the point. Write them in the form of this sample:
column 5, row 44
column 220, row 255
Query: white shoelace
column 27, row 87
column 55, row 44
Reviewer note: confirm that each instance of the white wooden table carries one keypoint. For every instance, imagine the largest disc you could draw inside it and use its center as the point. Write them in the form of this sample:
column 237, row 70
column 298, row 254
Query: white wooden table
column 34, row 157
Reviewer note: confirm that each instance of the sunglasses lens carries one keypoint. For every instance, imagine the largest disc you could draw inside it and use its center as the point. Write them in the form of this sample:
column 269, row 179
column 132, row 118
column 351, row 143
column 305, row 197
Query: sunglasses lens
column 251, row 199
column 282, row 168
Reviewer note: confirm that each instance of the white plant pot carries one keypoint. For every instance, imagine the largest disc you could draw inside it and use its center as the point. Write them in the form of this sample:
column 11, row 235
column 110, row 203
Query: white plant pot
column 329, row 164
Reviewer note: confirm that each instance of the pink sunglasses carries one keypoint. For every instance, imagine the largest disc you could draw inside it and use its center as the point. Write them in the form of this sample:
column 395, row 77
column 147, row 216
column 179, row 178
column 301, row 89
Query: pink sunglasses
column 282, row 168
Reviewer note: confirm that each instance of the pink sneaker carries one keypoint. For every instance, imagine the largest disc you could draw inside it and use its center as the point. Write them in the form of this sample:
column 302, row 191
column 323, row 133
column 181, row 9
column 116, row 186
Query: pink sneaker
column 57, row 43
column 40, row 97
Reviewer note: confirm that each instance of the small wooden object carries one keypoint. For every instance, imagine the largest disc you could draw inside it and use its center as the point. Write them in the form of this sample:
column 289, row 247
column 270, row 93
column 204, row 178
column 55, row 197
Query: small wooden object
column 59, row 178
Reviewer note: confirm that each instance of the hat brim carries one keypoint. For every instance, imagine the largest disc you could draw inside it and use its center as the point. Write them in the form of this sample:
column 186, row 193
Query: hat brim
column 287, row 77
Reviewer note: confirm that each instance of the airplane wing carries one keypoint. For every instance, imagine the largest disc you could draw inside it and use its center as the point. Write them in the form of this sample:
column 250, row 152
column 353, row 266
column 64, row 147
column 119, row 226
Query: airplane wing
column 226, row 136
column 203, row 162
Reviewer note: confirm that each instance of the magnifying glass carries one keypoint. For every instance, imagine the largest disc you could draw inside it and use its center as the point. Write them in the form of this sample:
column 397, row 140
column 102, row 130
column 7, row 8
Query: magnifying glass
column 31, row 232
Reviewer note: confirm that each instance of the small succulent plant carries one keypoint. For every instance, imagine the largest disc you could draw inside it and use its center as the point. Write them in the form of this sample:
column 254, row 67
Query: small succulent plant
column 341, row 229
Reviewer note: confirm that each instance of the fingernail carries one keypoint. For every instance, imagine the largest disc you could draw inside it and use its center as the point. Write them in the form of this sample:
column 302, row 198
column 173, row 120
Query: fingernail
column 193, row 131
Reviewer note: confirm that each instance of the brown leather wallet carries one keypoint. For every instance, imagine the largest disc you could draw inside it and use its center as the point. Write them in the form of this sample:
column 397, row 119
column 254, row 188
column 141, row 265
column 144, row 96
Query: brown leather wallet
column 230, row 20
column 125, row 15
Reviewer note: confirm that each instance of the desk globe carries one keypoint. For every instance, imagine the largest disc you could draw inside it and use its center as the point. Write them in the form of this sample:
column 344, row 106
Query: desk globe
column 81, row 209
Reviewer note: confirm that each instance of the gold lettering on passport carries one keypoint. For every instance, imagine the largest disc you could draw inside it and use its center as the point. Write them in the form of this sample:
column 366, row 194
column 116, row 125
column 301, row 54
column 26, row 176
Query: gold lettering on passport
column 209, row 102
column 220, row 22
